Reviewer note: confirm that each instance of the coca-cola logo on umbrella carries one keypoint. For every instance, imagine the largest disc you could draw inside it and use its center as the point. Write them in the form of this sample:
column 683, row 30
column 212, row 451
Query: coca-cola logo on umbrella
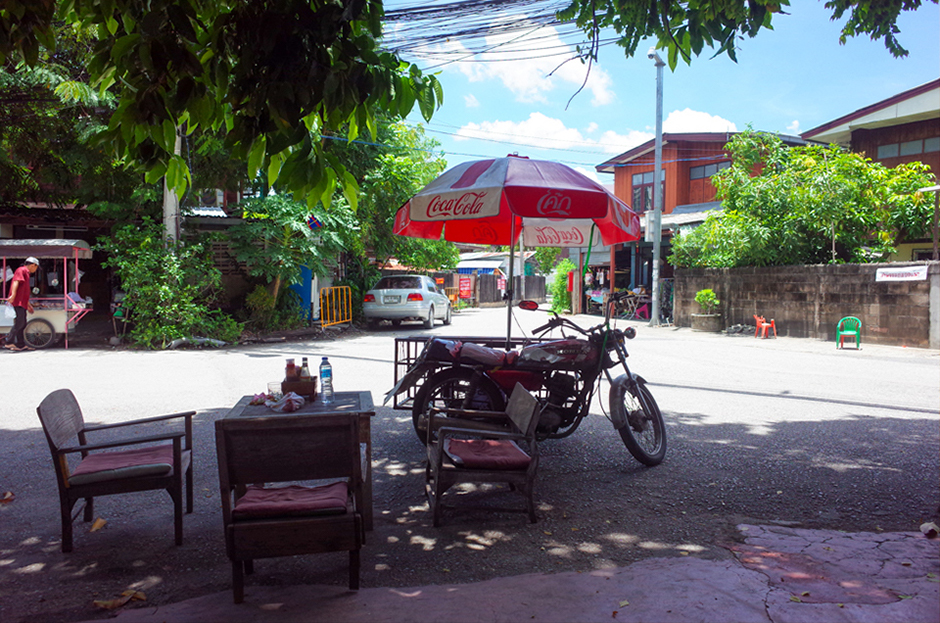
column 554, row 204
column 467, row 204
column 555, row 236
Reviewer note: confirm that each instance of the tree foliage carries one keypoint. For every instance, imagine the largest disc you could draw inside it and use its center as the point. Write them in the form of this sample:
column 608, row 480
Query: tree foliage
column 684, row 29
column 171, row 293
column 806, row 205
column 275, row 238
column 271, row 75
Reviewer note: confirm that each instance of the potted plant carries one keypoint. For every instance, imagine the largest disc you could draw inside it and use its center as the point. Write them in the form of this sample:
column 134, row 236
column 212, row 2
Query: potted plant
column 709, row 320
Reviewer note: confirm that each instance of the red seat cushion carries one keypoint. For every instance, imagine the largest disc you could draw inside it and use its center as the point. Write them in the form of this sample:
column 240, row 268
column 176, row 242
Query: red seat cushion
column 292, row 501
column 148, row 461
column 486, row 454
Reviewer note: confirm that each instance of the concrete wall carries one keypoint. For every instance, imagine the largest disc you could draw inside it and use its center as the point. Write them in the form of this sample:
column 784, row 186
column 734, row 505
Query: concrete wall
column 808, row 301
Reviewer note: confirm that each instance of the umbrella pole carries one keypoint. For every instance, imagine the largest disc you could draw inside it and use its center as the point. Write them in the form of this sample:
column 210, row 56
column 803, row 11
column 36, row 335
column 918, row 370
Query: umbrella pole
column 509, row 293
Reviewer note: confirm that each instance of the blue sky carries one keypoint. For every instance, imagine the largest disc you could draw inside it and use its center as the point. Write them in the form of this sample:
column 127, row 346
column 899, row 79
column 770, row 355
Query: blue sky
column 788, row 80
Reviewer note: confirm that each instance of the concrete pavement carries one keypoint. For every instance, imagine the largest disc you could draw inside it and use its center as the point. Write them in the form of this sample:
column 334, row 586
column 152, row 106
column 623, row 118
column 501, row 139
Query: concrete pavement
column 778, row 574
column 746, row 419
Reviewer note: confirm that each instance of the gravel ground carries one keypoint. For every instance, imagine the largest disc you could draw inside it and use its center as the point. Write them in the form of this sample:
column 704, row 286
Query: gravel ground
column 788, row 432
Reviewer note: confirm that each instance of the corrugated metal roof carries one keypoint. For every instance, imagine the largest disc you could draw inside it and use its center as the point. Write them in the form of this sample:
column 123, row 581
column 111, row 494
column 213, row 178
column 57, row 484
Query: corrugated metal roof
column 44, row 248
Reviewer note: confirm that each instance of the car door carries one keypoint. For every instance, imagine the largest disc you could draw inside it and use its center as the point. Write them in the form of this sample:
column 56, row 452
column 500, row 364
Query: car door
column 440, row 301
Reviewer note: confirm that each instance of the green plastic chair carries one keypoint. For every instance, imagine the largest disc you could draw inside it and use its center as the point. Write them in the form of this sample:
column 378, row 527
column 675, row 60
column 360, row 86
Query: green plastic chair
column 850, row 326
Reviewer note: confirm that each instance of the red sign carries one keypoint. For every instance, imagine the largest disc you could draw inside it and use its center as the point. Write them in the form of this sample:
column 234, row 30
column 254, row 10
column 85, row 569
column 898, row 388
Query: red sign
column 501, row 283
column 465, row 292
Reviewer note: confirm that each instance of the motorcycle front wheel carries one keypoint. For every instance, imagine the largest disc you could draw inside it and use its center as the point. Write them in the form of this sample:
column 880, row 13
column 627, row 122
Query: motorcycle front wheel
column 645, row 432
column 448, row 390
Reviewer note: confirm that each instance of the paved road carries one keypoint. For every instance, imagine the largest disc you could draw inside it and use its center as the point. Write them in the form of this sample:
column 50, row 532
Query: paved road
column 790, row 432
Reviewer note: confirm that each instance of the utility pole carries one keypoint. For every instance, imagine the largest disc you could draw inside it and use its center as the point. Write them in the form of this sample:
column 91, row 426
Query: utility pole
column 657, row 186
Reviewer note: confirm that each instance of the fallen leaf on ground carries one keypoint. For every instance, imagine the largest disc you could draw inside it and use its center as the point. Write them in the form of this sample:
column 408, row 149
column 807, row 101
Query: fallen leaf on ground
column 98, row 525
column 624, row 603
column 796, row 599
column 136, row 595
column 7, row 497
column 111, row 604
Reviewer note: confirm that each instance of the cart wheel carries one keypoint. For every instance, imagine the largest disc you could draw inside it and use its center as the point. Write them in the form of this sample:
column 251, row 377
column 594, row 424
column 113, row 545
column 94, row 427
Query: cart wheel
column 39, row 333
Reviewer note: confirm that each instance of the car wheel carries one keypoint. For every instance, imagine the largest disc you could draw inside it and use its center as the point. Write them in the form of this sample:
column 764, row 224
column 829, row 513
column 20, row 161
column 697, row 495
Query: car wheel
column 396, row 323
column 429, row 322
column 447, row 315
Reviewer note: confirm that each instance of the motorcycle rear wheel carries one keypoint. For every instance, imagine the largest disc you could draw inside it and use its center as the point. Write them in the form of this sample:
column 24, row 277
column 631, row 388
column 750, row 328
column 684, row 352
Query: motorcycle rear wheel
column 645, row 431
column 448, row 389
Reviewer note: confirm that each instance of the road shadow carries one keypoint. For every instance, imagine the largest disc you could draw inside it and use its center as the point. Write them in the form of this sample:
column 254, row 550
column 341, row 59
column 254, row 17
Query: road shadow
column 598, row 508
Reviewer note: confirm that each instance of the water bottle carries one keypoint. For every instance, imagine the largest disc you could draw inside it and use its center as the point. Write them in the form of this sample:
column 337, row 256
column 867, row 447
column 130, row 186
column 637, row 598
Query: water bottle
column 326, row 382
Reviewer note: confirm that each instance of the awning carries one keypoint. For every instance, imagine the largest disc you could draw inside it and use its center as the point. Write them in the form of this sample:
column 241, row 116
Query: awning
column 484, row 267
column 44, row 249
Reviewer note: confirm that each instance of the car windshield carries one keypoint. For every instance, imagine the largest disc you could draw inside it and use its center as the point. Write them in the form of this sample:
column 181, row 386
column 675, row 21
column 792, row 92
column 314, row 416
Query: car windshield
column 398, row 283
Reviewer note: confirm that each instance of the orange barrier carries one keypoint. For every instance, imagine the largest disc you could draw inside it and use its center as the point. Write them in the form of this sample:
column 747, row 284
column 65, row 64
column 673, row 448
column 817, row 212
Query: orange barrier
column 335, row 305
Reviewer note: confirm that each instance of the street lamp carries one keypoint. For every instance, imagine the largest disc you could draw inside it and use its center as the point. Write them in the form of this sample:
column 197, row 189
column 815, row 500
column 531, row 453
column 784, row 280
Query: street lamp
column 657, row 185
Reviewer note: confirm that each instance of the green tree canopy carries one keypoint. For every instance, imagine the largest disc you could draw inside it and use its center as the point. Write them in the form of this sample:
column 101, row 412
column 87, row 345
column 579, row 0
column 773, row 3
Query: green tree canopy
column 685, row 28
column 271, row 75
column 806, row 205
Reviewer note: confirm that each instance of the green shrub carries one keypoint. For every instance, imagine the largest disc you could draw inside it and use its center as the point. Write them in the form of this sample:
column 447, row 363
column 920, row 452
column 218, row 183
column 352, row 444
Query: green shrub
column 707, row 300
column 172, row 289
column 561, row 298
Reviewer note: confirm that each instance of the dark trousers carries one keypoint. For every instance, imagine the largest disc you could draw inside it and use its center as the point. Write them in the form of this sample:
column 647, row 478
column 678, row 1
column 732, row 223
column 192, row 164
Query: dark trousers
column 15, row 336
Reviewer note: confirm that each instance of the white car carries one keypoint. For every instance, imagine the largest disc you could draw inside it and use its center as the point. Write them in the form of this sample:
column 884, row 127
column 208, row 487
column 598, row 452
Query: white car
column 406, row 297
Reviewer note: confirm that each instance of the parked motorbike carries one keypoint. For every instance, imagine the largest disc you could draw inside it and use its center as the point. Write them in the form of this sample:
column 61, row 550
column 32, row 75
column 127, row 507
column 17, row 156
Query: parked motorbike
column 564, row 375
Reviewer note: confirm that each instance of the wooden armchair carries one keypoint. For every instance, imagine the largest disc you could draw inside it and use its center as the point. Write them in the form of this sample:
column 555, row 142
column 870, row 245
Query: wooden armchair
column 501, row 448
column 265, row 522
column 146, row 468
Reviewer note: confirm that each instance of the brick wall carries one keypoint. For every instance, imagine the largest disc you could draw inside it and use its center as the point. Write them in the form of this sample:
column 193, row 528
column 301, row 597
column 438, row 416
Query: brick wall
column 808, row 301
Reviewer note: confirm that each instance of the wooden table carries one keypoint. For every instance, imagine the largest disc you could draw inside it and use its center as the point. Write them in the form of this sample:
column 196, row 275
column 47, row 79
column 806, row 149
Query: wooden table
column 351, row 403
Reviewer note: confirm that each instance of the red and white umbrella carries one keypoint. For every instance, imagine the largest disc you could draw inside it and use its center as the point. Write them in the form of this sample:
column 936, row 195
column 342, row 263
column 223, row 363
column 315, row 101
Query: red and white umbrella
column 493, row 201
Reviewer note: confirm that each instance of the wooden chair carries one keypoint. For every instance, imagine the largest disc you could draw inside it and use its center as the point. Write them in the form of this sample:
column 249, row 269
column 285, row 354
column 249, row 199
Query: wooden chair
column 849, row 327
column 265, row 522
column 763, row 325
column 146, row 468
column 500, row 449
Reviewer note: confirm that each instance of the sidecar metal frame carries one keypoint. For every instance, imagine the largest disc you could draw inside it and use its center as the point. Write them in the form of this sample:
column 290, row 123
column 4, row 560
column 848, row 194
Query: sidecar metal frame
column 407, row 350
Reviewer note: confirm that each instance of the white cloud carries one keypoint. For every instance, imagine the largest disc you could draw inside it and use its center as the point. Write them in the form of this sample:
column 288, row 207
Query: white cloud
column 531, row 76
column 470, row 101
column 541, row 131
column 689, row 120
column 592, row 127
column 794, row 127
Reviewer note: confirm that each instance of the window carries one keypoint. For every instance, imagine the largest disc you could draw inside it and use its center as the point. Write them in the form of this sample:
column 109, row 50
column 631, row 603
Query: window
column 887, row 151
column 909, row 148
column 643, row 190
column 701, row 172
column 912, row 147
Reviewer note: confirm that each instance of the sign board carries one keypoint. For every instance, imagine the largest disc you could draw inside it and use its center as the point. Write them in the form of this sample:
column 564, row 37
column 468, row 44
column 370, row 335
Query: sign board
column 501, row 283
column 465, row 287
column 901, row 273
column 439, row 281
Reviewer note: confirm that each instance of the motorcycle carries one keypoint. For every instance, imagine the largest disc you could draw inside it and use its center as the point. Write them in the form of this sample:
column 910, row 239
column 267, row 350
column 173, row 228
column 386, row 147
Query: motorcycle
column 563, row 374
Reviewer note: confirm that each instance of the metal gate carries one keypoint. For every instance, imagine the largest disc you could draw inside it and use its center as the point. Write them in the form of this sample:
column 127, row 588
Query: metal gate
column 335, row 305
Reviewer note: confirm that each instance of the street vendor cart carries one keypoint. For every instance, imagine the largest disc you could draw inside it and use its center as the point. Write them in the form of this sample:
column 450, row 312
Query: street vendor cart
column 55, row 298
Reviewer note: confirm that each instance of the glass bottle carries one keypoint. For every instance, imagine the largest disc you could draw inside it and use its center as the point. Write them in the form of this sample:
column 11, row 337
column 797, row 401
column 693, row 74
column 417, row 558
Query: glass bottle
column 290, row 370
column 326, row 382
column 304, row 370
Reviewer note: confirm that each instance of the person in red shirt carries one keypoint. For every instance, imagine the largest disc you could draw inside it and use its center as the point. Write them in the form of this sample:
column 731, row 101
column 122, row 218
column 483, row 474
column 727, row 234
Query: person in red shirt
column 19, row 299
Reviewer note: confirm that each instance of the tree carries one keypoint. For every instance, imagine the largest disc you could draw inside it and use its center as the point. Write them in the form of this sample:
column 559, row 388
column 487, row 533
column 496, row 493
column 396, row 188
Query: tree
column 278, row 235
column 685, row 28
column 270, row 75
column 805, row 205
